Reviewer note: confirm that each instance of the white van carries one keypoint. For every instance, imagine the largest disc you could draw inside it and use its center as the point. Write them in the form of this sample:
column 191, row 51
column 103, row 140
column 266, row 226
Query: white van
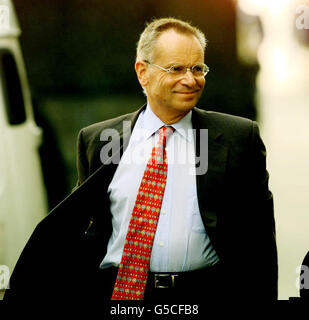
column 22, row 193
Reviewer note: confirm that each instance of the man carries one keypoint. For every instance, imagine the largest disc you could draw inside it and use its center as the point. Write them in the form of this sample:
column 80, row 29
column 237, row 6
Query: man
column 149, row 230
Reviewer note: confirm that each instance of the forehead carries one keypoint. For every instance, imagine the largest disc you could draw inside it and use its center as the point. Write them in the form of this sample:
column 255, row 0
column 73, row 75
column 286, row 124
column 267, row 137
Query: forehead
column 175, row 47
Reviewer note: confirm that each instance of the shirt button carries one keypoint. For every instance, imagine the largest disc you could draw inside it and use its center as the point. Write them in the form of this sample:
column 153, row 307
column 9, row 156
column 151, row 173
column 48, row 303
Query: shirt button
column 163, row 212
column 161, row 244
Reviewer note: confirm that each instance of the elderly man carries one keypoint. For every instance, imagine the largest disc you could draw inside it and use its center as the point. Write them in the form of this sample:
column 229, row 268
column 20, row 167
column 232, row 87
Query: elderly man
column 161, row 228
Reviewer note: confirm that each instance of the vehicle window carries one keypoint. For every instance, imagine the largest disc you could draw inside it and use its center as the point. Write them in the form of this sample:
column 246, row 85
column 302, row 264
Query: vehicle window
column 14, row 102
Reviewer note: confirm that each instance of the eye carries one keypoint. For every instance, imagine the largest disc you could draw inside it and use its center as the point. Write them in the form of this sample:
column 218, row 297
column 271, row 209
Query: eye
column 176, row 69
column 197, row 69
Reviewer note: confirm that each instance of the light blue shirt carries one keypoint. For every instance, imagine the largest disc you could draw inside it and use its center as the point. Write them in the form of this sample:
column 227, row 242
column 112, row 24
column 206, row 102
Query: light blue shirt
column 181, row 242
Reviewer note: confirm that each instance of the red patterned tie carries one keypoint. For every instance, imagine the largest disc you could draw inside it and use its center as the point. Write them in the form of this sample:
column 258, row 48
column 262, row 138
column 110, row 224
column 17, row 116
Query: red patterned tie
column 134, row 265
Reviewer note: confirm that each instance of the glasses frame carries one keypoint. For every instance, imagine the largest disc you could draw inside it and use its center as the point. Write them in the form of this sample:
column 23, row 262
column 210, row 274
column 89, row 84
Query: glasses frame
column 168, row 70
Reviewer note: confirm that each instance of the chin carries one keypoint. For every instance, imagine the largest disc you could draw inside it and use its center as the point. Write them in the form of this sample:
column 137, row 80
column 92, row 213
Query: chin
column 185, row 108
column 189, row 105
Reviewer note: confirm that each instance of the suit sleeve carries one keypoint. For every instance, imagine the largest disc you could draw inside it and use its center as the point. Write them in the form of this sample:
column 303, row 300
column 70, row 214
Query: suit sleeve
column 263, row 222
column 82, row 164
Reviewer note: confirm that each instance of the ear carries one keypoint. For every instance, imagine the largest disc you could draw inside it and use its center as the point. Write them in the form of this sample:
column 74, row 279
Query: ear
column 141, row 71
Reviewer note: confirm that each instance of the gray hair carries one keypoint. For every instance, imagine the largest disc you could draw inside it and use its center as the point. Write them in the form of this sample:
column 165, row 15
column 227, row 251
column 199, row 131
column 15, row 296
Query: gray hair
column 147, row 40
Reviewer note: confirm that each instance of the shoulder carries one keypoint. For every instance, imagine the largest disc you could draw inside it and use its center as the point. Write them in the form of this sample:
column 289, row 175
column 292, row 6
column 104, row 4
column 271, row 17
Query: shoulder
column 229, row 127
column 223, row 119
column 92, row 132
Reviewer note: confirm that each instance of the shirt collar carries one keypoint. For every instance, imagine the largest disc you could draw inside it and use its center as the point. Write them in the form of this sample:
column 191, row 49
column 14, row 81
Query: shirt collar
column 152, row 123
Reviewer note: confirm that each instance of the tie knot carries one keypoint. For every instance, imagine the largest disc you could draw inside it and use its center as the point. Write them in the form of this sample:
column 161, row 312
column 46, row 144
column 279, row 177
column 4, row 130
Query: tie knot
column 166, row 131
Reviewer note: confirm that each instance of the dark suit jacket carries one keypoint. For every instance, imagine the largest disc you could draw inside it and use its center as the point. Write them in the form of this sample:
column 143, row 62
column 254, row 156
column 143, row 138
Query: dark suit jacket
column 65, row 249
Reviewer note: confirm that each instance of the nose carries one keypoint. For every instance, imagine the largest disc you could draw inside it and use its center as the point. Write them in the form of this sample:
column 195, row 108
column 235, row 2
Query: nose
column 188, row 78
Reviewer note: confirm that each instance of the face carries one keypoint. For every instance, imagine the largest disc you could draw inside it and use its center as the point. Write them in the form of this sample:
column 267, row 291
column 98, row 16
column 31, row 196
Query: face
column 170, row 97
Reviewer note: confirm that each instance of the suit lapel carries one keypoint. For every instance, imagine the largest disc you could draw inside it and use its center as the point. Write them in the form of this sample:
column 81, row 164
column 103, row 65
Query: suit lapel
column 210, row 184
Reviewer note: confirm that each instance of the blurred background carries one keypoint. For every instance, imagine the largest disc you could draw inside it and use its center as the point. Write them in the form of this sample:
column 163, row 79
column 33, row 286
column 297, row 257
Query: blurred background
column 79, row 58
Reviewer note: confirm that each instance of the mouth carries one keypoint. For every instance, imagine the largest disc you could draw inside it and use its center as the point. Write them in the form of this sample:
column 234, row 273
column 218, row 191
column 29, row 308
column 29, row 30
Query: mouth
column 187, row 93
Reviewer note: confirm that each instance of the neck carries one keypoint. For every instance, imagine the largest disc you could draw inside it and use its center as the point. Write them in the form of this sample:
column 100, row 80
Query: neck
column 168, row 117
